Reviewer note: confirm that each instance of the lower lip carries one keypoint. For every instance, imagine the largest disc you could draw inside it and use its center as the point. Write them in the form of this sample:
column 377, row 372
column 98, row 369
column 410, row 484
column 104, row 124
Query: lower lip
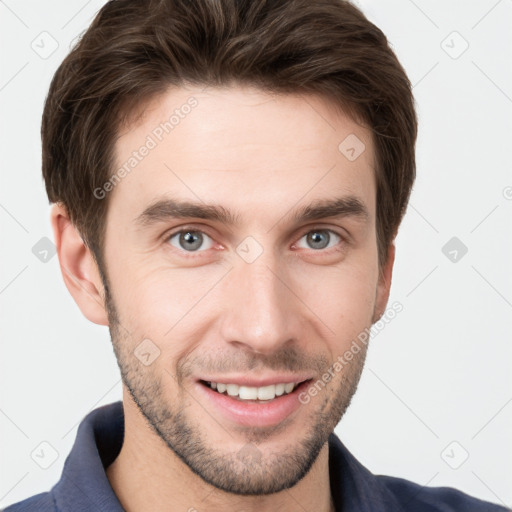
column 253, row 413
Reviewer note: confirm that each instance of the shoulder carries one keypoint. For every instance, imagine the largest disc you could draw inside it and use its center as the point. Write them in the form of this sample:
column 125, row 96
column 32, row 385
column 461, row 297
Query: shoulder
column 415, row 497
column 42, row 502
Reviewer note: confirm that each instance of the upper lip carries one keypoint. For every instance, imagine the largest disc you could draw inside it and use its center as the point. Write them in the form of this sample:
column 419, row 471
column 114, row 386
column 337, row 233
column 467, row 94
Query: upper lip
column 257, row 382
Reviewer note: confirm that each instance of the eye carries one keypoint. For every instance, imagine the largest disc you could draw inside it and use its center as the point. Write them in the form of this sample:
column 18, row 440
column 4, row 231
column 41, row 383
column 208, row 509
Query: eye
column 190, row 240
column 319, row 239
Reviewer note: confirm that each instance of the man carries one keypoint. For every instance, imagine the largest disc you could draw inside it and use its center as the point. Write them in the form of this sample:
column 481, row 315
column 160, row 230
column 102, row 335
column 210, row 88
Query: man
column 229, row 178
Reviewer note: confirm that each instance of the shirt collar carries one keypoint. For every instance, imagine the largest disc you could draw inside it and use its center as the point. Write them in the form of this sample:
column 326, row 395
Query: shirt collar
column 84, row 484
column 353, row 487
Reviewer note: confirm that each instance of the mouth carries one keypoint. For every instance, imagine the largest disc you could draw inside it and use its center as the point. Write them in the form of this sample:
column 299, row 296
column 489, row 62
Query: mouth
column 253, row 394
column 252, row 406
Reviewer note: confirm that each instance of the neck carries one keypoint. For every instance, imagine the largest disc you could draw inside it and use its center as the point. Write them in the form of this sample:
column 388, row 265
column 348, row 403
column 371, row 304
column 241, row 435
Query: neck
column 147, row 474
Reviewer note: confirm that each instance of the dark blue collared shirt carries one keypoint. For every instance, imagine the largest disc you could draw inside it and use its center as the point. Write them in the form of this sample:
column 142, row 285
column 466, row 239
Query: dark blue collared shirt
column 84, row 487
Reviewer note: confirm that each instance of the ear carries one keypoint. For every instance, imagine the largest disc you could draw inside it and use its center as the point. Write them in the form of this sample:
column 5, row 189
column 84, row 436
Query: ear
column 384, row 285
column 78, row 267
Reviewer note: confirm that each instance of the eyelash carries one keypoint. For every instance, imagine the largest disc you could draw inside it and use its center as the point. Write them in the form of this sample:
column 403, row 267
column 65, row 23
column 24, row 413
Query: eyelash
column 194, row 254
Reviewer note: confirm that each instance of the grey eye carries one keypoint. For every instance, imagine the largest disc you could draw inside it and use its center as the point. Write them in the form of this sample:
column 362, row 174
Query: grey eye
column 190, row 240
column 320, row 239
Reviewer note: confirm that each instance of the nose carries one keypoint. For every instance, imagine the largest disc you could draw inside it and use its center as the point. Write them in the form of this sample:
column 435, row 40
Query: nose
column 261, row 312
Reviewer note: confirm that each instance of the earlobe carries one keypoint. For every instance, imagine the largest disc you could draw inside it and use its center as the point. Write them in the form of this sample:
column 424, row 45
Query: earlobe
column 384, row 285
column 78, row 267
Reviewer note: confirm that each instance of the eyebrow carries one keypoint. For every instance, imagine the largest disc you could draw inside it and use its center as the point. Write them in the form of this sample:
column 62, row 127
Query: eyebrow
column 166, row 209
column 349, row 206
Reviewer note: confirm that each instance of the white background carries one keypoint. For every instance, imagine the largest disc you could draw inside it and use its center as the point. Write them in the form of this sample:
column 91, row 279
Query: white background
column 438, row 373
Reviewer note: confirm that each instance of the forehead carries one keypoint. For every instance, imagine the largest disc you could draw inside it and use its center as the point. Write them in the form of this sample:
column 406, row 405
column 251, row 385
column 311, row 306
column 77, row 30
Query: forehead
column 243, row 148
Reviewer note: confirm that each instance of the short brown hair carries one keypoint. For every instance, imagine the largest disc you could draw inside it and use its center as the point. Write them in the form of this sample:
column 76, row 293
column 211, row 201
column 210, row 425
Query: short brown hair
column 135, row 50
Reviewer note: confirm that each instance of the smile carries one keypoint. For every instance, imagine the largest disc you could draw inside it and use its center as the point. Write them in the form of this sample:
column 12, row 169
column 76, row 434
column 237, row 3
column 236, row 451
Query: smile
column 254, row 393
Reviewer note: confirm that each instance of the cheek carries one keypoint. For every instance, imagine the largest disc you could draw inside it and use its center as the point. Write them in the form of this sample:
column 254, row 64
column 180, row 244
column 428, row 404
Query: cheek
column 160, row 301
column 342, row 297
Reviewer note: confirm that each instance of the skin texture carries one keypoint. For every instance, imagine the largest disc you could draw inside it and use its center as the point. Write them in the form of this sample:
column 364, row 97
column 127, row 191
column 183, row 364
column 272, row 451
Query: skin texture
column 295, row 308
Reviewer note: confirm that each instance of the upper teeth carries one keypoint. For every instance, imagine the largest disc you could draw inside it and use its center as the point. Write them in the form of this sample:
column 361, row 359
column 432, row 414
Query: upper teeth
column 250, row 393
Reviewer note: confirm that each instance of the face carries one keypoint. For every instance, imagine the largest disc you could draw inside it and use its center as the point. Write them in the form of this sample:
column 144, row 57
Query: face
column 265, row 276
